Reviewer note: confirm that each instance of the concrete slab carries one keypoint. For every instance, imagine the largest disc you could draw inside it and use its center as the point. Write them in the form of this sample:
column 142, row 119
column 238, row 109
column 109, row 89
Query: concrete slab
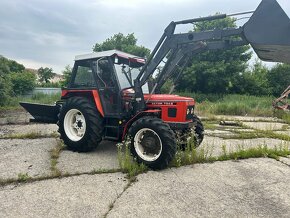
column 285, row 160
column 43, row 129
column 214, row 144
column 219, row 133
column 104, row 157
column 283, row 132
column 14, row 117
column 265, row 125
column 247, row 118
column 25, row 156
column 81, row 196
column 249, row 188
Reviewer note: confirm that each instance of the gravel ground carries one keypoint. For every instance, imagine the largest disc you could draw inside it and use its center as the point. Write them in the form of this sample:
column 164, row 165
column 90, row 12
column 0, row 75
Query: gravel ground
column 41, row 129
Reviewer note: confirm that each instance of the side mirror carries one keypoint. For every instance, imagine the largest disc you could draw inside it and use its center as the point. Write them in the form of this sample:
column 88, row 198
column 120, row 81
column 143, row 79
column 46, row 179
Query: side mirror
column 116, row 60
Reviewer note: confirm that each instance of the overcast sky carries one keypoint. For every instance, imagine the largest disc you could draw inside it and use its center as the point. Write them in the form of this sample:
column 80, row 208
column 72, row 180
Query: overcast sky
column 50, row 33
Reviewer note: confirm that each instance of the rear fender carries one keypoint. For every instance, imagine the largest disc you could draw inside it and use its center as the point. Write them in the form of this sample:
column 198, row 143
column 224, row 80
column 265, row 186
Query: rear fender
column 90, row 94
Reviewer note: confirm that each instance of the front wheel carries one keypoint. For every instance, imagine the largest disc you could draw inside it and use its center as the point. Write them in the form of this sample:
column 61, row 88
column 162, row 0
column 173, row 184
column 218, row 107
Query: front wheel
column 198, row 131
column 152, row 142
column 191, row 137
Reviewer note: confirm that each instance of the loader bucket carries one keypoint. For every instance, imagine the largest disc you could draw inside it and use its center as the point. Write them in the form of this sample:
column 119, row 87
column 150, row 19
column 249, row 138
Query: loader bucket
column 42, row 113
column 268, row 32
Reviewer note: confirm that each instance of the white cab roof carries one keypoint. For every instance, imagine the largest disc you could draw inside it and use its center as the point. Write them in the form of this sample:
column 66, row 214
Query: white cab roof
column 106, row 54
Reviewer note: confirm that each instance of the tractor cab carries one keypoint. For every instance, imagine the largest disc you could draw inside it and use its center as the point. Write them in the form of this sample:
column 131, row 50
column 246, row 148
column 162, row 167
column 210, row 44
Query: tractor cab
column 110, row 73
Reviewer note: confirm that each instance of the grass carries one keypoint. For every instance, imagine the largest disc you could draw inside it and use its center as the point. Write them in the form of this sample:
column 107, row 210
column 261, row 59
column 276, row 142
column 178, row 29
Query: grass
column 258, row 134
column 232, row 104
column 285, row 116
column 54, row 155
column 127, row 163
column 13, row 103
column 255, row 134
column 23, row 177
column 30, row 135
column 193, row 156
column 261, row 151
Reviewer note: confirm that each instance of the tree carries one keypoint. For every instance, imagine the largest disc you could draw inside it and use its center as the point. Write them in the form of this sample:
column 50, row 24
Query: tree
column 253, row 81
column 123, row 43
column 279, row 78
column 15, row 67
column 22, row 82
column 45, row 74
column 5, row 91
column 216, row 71
column 4, row 66
column 67, row 75
column 14, row 80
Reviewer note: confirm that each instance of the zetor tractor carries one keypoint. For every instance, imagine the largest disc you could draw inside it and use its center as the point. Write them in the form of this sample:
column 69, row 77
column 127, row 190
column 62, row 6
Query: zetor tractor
column 113, row 94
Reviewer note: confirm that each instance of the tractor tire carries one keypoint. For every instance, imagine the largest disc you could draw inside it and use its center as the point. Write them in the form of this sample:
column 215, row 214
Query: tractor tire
column 198, row 131
column 80, row 124
column 152, row 142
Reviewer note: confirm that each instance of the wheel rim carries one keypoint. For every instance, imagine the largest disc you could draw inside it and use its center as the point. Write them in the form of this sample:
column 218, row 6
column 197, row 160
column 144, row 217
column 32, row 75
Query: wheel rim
column 74, row 125
column 147, row 144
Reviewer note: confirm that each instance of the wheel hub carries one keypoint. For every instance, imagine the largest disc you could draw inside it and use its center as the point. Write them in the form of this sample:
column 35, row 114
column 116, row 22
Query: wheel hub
column 74, row 125
column 79, row 124
column 147, row 144
column 150, row 143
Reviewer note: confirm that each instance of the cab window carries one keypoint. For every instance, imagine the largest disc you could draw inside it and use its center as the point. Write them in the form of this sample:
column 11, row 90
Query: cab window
column 84, row 75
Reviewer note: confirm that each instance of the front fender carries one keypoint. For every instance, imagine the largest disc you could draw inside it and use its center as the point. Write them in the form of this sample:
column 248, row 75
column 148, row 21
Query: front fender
column 154, row 113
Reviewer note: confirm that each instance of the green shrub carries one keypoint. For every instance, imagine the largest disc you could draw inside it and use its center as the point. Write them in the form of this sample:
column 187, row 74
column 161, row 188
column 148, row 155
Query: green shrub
column 22, row 82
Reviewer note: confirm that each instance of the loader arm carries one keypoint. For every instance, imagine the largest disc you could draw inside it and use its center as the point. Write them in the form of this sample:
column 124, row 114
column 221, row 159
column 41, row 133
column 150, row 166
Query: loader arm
column 269, row 45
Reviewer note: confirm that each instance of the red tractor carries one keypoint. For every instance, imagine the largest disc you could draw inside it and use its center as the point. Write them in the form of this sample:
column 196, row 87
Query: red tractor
column 111, row 94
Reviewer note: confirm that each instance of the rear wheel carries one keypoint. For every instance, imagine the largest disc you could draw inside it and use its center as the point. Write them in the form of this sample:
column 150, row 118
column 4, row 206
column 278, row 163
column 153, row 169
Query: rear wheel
column 152, row 142
column 80, row 124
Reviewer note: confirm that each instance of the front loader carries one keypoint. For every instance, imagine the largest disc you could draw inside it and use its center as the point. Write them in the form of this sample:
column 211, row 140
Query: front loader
column 111, row 95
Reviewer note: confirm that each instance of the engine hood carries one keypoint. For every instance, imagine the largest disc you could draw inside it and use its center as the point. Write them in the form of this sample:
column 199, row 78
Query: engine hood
column 166, row 98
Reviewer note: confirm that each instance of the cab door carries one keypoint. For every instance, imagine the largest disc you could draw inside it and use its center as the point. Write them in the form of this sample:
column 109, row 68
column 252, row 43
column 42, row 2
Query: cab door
column 108, row 87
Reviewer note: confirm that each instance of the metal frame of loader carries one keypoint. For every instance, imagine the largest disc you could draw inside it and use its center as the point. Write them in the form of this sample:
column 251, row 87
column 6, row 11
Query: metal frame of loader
column 281, row 102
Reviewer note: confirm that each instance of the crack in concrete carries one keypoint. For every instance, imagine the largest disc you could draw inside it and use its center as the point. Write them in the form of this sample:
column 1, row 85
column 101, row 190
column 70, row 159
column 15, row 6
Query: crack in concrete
column 129, row 184
column 15, row 181
column 280, row 161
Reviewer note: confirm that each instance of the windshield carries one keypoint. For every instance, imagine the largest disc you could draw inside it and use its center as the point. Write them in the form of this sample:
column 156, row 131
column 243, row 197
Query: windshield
column 122, row 70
